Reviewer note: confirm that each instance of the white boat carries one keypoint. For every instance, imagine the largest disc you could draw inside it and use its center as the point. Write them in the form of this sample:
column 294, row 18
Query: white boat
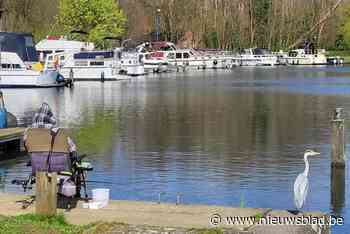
column 218, row 59
column 257, row 57
column 300, row 57
column 13, row 73
column 156, row 62
column 86, row 65
column 131, row 64
column 164, row 56
column 191, row 59
column 54, row 44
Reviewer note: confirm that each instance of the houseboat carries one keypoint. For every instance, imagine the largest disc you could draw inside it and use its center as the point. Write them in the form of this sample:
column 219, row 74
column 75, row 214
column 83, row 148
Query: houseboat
column 306, row 57
column 164, row 56
column 257, row 57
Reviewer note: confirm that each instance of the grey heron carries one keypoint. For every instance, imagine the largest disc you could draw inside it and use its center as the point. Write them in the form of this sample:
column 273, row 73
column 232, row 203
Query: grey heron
column 301, row 184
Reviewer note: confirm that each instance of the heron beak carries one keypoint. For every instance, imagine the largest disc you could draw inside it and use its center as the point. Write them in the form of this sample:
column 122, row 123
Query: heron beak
column 315, row 153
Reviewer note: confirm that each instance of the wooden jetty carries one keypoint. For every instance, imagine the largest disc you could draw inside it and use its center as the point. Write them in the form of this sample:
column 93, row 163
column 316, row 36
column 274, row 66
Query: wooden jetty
column 11, row 134
column 11, row 138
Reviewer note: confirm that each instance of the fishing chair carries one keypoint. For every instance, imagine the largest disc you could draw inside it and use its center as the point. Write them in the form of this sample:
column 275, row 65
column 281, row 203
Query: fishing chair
column 49, row 151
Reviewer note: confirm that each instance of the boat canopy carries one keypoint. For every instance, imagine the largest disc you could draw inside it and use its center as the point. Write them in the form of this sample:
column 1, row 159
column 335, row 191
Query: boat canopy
column 94, row 55
column 19, row 43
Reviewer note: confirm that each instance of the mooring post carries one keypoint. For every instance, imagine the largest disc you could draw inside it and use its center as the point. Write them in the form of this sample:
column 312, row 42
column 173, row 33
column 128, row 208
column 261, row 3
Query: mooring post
column 178, row 199
column 102, row 76
column 338, row 160
column 338, row 139
column 46, row 193
column 337, row 189
column 71, row 74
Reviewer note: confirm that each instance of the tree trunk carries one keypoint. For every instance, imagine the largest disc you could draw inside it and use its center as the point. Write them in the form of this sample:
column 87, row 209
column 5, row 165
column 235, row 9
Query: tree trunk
column 322, row 20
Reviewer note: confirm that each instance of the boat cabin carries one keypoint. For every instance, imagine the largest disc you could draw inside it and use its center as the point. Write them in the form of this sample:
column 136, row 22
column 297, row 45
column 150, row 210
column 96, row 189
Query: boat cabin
column 80, row 59
column 11, row 61
column 56, row 44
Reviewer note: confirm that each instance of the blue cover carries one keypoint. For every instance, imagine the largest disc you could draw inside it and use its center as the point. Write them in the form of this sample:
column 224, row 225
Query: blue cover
column 3, row 118
column 93, row 55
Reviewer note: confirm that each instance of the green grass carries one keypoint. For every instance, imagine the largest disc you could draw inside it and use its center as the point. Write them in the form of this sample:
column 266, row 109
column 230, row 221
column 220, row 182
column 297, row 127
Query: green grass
column 36, row 224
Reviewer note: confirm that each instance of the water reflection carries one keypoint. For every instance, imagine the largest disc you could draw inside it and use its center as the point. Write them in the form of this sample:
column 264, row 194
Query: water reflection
column 215, row 136
column 337, row 190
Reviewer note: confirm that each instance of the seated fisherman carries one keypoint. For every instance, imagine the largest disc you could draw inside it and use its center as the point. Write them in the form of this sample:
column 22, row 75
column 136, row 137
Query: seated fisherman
column 51, row 149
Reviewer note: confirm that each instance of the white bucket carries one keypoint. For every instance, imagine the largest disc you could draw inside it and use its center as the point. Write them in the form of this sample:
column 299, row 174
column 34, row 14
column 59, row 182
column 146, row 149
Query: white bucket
column 101, row 196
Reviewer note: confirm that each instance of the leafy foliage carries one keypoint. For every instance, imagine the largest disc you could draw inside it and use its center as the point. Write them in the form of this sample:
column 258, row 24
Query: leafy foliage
column 344, row 38
column 98, row 18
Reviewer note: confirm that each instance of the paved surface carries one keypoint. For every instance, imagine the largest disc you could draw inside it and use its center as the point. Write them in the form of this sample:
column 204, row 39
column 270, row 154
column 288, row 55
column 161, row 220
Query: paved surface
column 164, row 215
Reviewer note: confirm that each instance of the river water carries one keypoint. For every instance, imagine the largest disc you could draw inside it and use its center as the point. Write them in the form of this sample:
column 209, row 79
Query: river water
column 227, row 137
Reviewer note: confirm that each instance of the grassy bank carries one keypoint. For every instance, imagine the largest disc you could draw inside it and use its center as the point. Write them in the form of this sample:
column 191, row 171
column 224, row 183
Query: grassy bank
column 341, row 53
column 35, row 224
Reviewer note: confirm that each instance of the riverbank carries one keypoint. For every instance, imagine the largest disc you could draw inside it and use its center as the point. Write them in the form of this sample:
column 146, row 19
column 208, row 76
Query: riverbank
column 150, row 217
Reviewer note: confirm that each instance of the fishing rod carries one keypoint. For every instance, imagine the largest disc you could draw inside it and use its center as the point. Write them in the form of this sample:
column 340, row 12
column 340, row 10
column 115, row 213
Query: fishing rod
column 100, row 182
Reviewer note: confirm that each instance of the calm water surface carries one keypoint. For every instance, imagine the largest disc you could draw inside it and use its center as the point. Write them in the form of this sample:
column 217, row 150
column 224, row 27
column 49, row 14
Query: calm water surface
column 215, row 137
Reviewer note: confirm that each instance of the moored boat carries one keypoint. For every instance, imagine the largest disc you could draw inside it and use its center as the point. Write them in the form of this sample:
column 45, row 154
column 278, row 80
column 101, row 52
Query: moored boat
column 14, row 74
column 257, row 57
column 86, row 65
column 306, row 57
column 132, row 65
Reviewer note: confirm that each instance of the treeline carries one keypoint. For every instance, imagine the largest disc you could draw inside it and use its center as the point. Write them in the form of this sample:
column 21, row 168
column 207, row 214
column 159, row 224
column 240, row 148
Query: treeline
column 227, row 24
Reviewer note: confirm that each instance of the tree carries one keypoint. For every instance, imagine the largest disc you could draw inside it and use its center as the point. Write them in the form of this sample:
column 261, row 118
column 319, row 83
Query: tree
column 98, row 18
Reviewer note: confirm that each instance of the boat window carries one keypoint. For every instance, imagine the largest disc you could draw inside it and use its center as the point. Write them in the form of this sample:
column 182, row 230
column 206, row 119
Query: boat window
column 178, row 55
column 17, row 66
column 50, row 58
column 293, row 54
column 81, row 63
column 61, row 57
column 97, row 63
column 99, row 57
column 5, row 65
column 186, row 55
